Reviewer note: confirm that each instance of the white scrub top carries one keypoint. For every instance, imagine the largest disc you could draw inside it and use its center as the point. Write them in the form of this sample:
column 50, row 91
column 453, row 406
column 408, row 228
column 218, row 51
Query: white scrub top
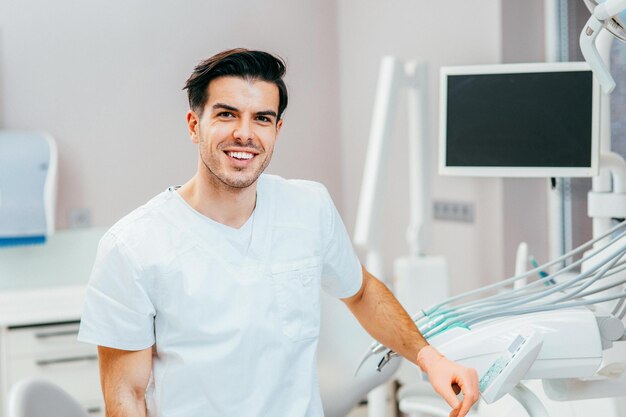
column 234, row 313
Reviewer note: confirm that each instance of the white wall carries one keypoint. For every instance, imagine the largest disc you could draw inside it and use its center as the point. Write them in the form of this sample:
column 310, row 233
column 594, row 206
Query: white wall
column 454, row 32
column 105, row 79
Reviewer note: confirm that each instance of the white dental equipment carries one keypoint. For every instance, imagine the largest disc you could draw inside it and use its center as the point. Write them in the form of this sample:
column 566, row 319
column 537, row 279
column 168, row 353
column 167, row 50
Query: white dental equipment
column 503, row 375
column 395, row 77
column 28, row 176
column 538, row 296
column 611, row 16
column 565, row 321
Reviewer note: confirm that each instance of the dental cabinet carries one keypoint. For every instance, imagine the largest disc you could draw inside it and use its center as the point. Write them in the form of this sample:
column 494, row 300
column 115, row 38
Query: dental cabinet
column 42, row 291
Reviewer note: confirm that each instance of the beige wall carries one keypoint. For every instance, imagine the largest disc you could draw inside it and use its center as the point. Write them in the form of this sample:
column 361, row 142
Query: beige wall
column 523, row 31
column 455, row 32
column 525, row 200
column 105, row 79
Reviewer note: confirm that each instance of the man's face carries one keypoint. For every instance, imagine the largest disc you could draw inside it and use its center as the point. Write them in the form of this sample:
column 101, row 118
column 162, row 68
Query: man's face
column 237, row 130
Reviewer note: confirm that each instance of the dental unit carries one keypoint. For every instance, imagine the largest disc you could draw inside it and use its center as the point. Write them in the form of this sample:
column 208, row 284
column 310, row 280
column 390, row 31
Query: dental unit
column 542, row 330
column 560, row 325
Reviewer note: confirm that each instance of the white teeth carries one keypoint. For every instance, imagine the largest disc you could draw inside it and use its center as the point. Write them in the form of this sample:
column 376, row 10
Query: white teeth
column 240, row 155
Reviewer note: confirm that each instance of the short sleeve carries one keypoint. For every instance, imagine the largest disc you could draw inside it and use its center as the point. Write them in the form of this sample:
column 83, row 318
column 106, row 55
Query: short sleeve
column 342, row 275
column 118, row 312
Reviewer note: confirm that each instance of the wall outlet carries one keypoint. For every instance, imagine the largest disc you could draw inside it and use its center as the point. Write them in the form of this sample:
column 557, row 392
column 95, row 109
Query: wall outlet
column 455, row 211
column 79, row 218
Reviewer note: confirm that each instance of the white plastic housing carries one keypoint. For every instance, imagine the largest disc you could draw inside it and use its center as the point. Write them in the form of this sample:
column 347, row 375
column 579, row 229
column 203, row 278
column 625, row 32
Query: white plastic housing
column 587, row 42
column 571, row 343
column 609, row 9
column 519, row 361
column 28, row 178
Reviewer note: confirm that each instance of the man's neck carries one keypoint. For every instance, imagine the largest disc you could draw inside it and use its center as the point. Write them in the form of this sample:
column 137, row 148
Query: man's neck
column 229, row 206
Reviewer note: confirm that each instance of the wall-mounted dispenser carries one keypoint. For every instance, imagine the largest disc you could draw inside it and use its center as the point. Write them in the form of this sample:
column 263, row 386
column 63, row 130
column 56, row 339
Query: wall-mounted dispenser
column 28, row 178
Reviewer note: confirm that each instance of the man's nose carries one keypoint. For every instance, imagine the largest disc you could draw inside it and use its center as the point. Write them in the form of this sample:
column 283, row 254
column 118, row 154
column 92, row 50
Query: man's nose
column 243, row 131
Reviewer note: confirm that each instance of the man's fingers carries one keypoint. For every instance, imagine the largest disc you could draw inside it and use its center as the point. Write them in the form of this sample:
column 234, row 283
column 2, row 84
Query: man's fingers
column 469, row 386
column 449, row 379
column 465, row 406
column 448, row 394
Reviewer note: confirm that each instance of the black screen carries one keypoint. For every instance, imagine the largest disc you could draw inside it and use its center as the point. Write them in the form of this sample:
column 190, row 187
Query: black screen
column 519, row 120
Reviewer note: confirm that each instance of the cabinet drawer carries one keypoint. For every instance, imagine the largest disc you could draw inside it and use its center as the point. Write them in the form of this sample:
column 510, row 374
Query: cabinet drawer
column 36, row 340
column 78, row 375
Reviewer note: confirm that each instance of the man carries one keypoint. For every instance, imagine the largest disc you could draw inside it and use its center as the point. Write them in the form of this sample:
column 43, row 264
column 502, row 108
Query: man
column 205, row 301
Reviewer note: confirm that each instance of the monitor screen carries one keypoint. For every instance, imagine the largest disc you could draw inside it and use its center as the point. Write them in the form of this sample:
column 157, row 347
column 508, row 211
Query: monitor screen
column 519, row 120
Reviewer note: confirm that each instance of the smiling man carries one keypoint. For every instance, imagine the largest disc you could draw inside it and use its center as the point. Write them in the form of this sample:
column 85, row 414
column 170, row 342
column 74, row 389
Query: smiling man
column 205, row 301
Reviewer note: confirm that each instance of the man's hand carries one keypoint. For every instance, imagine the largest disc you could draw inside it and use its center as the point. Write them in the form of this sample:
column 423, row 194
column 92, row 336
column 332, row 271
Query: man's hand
column 444, row 375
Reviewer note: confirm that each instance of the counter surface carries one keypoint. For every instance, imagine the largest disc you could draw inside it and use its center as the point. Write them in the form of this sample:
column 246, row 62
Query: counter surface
column 41, row 305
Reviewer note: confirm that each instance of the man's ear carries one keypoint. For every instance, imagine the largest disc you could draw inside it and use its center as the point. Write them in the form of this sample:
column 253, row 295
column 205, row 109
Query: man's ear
column 192, row 123
column 279, row 126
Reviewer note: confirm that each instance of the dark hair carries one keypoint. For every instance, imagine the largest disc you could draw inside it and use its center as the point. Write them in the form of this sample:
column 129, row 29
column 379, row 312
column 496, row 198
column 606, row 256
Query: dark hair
column 238, row 62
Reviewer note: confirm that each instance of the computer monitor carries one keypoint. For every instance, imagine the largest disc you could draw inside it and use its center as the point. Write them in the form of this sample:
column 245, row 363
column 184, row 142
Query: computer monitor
column 519, row 120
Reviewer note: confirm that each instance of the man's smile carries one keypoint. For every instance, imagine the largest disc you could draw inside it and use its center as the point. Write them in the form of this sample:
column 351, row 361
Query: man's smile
column 240, row 155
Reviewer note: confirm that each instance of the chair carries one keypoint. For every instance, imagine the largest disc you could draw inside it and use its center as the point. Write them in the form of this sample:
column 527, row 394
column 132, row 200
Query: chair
column 40, row 398
column 342, row 344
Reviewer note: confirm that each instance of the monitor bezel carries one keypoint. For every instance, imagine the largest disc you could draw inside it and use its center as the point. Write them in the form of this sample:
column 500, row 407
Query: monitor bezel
column 503, row 171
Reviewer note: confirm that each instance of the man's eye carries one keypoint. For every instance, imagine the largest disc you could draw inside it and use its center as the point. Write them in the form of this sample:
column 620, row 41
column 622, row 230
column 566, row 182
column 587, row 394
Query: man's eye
column 226, row 114
column 263, row 119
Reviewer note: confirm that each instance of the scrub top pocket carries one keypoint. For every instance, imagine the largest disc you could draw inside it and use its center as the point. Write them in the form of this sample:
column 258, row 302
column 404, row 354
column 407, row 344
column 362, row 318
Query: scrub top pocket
column 297, row 289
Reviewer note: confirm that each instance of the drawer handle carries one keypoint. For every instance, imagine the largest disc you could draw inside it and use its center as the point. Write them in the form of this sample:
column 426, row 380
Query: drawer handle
column 94, row 410
column 60, row 333
column 45, row 362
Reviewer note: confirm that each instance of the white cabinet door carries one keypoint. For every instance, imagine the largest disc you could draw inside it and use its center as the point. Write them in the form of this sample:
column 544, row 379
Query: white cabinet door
column 38, row 340
column 51, row 352
column 78, row 375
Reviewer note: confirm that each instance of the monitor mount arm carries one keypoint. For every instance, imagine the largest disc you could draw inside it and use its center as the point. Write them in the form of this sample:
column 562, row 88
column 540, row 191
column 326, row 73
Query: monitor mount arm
column 602, row 16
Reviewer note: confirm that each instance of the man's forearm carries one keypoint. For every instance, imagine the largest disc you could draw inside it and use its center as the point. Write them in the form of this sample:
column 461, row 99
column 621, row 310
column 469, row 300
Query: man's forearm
column 125, row 404
column 383, row 317
column 380, row 313
column 124, row 376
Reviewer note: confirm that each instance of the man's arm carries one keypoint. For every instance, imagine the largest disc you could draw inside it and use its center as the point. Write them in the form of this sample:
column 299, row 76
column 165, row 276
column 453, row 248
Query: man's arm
column 383, row 317
column 124, row 376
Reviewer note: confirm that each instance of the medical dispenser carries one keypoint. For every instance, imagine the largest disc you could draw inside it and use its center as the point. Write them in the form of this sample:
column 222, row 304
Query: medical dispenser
column 28, row 175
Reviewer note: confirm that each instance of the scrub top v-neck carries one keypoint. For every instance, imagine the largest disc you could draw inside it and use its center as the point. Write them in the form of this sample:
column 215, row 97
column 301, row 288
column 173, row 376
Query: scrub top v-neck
column 240, row 238
column 239, row 246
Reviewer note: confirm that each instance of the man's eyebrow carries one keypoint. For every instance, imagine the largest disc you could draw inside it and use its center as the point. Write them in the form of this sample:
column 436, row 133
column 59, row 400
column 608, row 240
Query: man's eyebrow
column 223, row 106
column 266, row 113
